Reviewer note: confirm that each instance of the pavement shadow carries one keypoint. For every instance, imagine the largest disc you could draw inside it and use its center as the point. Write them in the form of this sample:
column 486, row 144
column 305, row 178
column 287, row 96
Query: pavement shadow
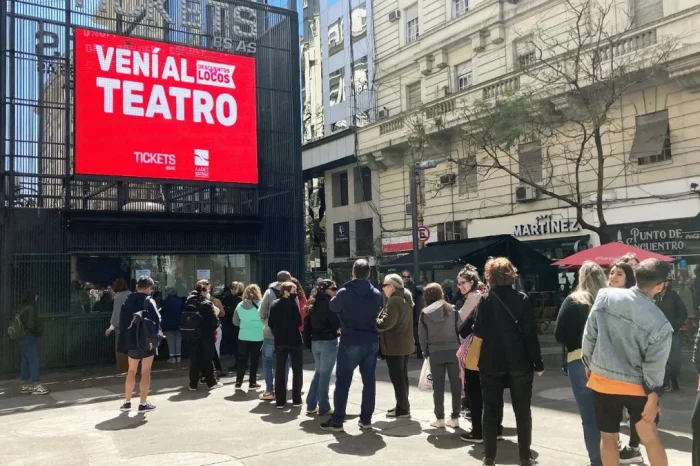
column 122, row 422
column 241, row 395
column 187, row 395
column 272, row 415
column 399, row 428
column 365, row 444
column 444, row 439
column 507, row 453
column 669, row 440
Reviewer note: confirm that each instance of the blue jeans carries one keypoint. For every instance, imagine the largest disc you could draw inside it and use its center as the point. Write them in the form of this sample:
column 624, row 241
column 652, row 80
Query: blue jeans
column 584, row 400
column 29, row 352
column 673, row 366
column 268, row 359
column 325, row 354
column 349, row 358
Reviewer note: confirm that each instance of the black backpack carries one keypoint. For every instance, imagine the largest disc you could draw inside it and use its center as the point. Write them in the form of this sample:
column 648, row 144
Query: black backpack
column 276, row 292
column 148, row 333
column 191, row 322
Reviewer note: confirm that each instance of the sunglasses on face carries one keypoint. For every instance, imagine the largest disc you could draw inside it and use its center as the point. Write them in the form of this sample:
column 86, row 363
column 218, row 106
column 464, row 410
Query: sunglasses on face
column 386, row 284
column 405, row 276
column 333, row 288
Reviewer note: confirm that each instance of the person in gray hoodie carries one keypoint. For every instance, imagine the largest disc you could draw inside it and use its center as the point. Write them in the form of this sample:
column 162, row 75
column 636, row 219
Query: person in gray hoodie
column 272, row 294
column 437, row 331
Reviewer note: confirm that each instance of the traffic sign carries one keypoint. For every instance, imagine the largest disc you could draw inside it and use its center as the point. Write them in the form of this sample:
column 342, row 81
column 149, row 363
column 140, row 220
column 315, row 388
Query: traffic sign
column 423, row 233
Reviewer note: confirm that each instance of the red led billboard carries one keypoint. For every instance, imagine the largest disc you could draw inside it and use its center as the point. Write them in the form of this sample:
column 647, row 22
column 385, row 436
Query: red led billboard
column 147, row 109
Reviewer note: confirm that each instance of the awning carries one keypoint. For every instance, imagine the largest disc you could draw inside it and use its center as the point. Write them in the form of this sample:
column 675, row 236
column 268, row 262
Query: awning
column 607, row 254
column 693, row 226
column 475, row 251
column 651, row 134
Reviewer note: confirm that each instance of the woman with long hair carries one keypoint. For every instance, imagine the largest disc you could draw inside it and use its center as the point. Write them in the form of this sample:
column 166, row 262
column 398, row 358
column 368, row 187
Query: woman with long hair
column 571, row 322
column 473, row 290
column 121, row 292
column 439, row 339
column 250, row 335
column 321, row 337
column 395, row 326
column 621, row 275
column 302, row 300
column 510, row 356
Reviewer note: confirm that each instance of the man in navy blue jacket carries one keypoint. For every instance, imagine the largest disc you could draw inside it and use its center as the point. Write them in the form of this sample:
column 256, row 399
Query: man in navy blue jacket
column 357, row 304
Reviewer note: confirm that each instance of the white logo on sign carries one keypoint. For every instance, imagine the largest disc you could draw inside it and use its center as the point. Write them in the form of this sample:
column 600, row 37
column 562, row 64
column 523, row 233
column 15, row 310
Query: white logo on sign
column 215, row 74
column 201, row 158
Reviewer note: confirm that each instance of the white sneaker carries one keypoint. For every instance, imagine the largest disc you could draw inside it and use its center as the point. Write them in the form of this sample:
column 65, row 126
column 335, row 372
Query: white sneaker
column 27, row 388
column 171, row 361
column 178, row 359
column 438, row 424
column 453, row 423
column 39, row 390
column 217, row 385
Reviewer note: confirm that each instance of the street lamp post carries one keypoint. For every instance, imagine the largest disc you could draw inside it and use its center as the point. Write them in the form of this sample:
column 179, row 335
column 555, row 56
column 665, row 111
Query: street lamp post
column 414, row 169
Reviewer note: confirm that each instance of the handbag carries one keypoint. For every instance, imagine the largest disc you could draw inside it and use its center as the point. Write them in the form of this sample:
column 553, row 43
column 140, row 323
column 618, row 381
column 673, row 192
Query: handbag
column 471, row 362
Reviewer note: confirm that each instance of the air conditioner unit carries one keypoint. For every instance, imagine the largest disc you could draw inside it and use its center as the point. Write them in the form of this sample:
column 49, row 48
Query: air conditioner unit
column 383, row 113
column 447, row 180
column 409, row 209
column 526, row 193
column 395, row 16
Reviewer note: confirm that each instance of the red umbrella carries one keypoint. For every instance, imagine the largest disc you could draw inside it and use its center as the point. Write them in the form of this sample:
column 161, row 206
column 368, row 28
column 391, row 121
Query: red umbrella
column 607, row 254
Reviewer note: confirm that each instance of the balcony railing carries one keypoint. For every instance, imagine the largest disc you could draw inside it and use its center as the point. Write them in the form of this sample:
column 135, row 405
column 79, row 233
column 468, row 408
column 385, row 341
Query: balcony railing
column 629, row 44
column 390, row 126
column 440, row 108
column 501, row 87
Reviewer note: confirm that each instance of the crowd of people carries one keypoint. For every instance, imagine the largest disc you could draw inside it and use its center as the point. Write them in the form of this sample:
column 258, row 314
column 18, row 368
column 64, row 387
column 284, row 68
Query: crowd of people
column 621, row 330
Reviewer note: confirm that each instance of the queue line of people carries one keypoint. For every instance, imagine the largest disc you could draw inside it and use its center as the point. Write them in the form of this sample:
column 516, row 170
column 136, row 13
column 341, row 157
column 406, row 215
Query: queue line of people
column 618, row 333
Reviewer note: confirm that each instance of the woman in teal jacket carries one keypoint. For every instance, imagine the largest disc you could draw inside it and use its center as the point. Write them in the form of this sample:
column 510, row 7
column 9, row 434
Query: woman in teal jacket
column 250, row 336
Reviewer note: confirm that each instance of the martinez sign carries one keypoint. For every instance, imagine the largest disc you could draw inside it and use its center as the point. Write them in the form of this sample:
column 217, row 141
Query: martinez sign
column 547, row 226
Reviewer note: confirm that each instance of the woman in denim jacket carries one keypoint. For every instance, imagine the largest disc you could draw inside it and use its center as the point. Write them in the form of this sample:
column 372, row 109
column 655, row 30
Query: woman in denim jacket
column 571, row 322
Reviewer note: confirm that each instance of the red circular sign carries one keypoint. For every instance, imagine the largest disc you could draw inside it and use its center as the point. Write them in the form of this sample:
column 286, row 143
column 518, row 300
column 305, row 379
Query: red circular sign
column 423, row 233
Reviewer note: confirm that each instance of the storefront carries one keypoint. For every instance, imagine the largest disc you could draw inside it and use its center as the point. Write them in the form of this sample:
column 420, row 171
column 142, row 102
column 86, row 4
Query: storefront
column 119, row 186
column 673, row 238
column 553, row 237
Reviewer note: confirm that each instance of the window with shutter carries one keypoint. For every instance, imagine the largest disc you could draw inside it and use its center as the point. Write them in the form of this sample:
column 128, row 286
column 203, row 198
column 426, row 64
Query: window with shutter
column 530, row 162
column 646, row 11
column 463, row 76
column 467, row 175
column 413, row 96
column 525, row 53
column 412, row 29
column 459, row 7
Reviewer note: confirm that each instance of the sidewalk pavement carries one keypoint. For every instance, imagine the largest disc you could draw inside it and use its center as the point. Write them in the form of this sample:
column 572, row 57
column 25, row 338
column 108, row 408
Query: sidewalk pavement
column 80, row 424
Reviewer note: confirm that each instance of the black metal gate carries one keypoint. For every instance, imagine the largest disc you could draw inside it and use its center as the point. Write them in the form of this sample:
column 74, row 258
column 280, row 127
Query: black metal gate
column 47, row 212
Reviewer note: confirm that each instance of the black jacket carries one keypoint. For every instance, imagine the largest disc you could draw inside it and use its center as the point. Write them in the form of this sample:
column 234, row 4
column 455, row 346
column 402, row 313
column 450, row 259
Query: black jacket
column 207, row 312
column 135, row 302
column 673, row 308
column 571, row 322
column 321, row 324
column 507, row 348
column 284, row 321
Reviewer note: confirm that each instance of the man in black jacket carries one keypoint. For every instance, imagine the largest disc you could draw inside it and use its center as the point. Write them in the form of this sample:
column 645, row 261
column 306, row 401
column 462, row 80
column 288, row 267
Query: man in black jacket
column 284, row 322
column 202, row 349
column 675, row 311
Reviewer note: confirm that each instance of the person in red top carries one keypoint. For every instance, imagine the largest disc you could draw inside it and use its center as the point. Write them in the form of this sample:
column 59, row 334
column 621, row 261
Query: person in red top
column 301, row 300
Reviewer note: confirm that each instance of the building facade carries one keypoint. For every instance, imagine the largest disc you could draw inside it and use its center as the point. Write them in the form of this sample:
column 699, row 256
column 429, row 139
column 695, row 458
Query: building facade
column 437, row 61
column 68, row 236
column 337, row 95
